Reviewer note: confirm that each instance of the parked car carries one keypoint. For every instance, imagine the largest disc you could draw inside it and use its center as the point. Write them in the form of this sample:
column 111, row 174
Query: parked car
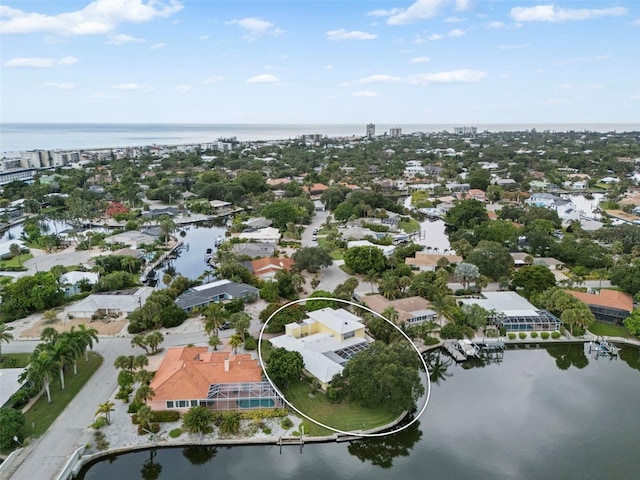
column 314, row 238
column 225, row 326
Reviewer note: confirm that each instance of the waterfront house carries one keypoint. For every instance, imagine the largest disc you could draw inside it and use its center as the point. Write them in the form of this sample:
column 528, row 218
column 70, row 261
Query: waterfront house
column 514, row 313
column 193, row 376
column 213, row 292
column 428, row 262
column 268, row 234
column 387, row 250
column 134, row 239
column 254, row 249
column 326, row 339
column 266, row 268
column 411, row 310
column 120, row 302
column 607, row 305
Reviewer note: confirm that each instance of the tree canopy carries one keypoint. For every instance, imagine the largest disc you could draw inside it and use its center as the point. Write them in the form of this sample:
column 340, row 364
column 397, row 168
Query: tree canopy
column 284, row 366
column 364, row 259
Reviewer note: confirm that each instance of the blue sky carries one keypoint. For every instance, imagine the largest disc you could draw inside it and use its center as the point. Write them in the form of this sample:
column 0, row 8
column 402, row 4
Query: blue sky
column 423, row 61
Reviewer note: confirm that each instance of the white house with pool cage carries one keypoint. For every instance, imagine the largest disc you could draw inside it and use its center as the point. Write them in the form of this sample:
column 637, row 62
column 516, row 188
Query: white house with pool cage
column 326, row 339
column 193, row 376
column 515, row 313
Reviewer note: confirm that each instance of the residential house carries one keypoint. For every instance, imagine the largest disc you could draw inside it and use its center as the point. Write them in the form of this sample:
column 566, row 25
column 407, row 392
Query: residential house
column 258, row 222
column 387, row 250
column 193, row 376
column 411, row 310
column 266, row 268
column 133, row 238
column 565, row 208
column 254, row 249
column 120, row 302
column 219, row 206
column 267, row 234
column 71, row 281
column 213, row 292
column 514, row 313
column 428, row 262
column 326, row 339
column 316, row 189
column 607, row 305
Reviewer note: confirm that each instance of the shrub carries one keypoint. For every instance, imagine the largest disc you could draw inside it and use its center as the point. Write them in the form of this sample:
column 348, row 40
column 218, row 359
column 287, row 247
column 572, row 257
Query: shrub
column 534, row 334
column 286, row 423
column 153, row 428
column 133, row 408
column 99, row 422
column 250, row 343
column 451, row 330
column 266, row 430
column 522, row 335
column 175, row 433
column 544, row 335
column 101, row 441
column 555, row 335
column 512, row 336
column 165, row 416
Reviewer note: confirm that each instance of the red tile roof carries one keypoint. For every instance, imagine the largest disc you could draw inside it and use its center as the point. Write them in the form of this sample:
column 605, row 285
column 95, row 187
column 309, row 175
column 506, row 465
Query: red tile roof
column 606, row 298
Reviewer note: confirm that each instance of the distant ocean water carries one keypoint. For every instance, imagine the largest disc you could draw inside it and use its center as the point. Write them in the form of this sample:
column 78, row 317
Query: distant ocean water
column 16, row 137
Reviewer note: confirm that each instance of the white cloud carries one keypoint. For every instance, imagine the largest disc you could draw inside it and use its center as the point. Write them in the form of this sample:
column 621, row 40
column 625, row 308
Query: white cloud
column 636, row 22
column 67, row 61
column 203, row 37
column 365, row 94
column 328, row 67
column 379, row 78
column 417, row 39
column 565, row 86
column 60, row 86
column 435, row 36
column 183, row 88
column 122, row 38
column 255, row 27
column 100, row 95
column 454, row 20
column 213, row 79
column 419, row 10
column 635, row 96
column 419, row 60
column 35, row 62
column 342, row 34
column 263, row 78
column 384, row 13
column 53, row 40
column 157, row 45
column 97, row 18
column 496, row 25
column 551, row 13
column 455, row 76
column 130, row 86
column 456, row 33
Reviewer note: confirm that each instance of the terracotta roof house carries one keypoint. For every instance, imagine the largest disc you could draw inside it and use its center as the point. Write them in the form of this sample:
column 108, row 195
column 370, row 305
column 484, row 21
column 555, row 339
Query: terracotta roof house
column 411, row 310
column 266, row 268
column 427, row 262
column 193, row 376
column 315, row 189
column 217, row 291
column 608, row 305
column 327, row 339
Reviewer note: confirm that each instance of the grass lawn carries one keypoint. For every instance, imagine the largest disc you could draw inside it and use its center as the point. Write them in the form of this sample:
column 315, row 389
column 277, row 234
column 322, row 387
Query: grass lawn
column 345, row 416
column 410, row 226
column 43, row 414
column 609, row 330
column 335, row 254
column 13, row 262
column 15, row 360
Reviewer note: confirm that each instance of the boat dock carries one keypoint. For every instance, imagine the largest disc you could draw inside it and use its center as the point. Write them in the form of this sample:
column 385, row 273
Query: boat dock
column 603, row 348
column 462, row 350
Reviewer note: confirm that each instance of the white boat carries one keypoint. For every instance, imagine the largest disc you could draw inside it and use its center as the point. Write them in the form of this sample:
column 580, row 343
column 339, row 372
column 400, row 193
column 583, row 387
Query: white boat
column 218, row 241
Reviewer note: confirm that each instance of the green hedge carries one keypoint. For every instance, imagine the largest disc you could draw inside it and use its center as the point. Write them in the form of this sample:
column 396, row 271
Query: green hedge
column 534, row 334
column 522, row 335
column 512, row 336
column 555, row 335
column 544, row 335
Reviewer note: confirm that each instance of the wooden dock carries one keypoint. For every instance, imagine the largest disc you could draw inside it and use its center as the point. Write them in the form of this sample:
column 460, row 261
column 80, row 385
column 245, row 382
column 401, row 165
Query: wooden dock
column 451, row 346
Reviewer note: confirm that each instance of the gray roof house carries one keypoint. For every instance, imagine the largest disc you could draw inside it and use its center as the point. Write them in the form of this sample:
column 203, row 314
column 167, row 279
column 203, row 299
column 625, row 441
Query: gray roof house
column 217, row 291
column 254, row 249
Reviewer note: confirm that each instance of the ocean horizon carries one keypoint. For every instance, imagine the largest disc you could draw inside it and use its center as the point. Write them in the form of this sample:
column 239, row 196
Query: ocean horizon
column 18, row 137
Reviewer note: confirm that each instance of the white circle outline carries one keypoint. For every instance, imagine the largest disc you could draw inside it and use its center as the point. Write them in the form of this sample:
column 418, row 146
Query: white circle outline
column 357, row 434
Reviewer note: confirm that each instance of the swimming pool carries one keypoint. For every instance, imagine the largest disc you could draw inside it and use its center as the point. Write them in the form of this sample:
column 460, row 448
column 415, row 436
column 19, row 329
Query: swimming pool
column 256, row 403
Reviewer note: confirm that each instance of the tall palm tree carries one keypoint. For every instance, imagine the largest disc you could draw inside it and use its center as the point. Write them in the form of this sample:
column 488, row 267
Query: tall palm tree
column 214, row 341
column 241, row 322
column 154, row 339
column 49, row 335
column 106, row 408
column 75, row 341
column 5, row 336
column 214, row 317
column 144, row 393
column 444, row 306
column 15, row 250
column 372, row 277
column 40, row 371
column 89, row 336
column 144, row 417
column 140, row 340
column 391, row 314
column 62, row 355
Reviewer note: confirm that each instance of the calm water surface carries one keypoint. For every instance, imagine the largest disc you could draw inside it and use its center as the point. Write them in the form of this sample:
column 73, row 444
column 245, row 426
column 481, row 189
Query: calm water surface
column 553, row 413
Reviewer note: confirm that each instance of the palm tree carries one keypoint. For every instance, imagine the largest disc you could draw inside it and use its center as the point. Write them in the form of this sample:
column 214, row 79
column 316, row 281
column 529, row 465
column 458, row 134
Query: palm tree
column 61, row 354
column 75, row 341
column 5, row 336
column 198, row 420
column 214, row 317
column 144, row 393
column 144, row 376
column 444, row 306
column 140, row 340
column 214, row 341
column 128, row 263
column 106, row 408
column 241, row 322
column 154, row 339
column 391, row 314
column 298, row 281
column 89, row 335
column 144, row 417
column 49, row 335
column 40, row 371
column 372, row 277
column 235, row 341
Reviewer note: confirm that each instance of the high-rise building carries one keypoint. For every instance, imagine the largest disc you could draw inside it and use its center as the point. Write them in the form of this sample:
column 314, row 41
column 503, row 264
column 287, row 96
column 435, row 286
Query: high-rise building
column 371, row 130
column 465, row 130
column 395, row 132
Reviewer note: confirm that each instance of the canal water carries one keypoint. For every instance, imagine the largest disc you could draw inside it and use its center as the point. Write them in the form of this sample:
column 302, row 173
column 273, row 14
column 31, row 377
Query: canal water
column 539, row 413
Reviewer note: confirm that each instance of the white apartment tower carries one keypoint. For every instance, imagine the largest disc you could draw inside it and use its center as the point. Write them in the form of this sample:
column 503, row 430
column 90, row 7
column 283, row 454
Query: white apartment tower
column 371, row 130
column 395, row 132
